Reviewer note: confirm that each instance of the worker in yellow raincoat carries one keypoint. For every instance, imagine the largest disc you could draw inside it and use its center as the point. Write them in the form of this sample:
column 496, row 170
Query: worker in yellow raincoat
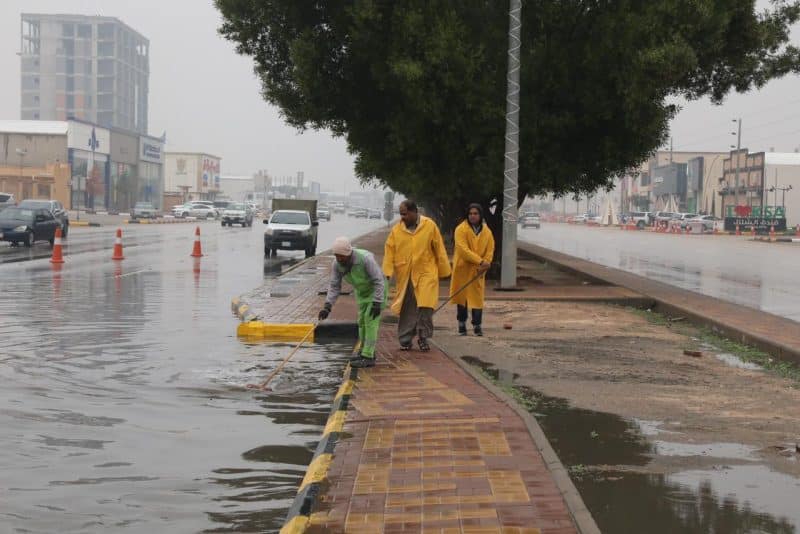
column 472, row 257
column 415, row 255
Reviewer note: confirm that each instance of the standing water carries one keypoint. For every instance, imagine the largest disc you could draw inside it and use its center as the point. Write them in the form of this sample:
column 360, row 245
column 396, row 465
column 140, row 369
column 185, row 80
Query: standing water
column 123, row 405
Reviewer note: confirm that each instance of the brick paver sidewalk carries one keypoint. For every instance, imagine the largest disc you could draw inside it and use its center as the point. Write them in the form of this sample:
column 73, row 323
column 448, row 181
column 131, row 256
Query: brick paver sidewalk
column 425, row 448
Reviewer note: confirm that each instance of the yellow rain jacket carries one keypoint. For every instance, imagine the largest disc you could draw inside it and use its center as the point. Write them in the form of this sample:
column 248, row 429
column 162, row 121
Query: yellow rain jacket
column 419, row 256
column 470, row 249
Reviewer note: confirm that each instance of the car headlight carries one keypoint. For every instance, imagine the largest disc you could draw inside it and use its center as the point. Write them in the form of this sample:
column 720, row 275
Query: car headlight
column 268, row 231
column 20, row 228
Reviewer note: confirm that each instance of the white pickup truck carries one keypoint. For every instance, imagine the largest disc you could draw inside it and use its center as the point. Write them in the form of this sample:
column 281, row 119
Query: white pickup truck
column 293, row 225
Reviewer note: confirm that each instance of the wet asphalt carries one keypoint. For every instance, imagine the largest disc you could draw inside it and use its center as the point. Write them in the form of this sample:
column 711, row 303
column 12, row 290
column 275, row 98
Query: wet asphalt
column 123, row 405
column 758, row 275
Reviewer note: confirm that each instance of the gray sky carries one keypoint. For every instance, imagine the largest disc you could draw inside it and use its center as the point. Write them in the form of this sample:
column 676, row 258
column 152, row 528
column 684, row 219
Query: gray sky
column 206, row 97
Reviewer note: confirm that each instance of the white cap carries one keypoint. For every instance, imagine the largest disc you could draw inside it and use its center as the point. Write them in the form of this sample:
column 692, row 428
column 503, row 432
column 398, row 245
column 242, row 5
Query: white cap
column 342, row 246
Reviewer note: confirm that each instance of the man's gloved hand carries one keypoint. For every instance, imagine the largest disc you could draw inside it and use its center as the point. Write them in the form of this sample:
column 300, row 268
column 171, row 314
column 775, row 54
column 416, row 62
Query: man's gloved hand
column 324, row 312
column 376, row 310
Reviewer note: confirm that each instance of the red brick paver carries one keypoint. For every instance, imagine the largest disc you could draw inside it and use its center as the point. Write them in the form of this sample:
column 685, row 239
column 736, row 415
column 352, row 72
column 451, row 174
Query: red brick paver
column 428, row 449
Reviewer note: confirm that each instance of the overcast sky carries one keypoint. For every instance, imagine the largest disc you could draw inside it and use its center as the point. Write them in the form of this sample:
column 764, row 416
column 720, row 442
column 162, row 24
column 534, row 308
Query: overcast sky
column 206, row 97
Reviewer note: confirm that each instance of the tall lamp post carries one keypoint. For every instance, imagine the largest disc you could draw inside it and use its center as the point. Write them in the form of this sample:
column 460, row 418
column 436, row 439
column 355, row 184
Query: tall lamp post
column 738, row 148
column 21, row 152
column 508, row 267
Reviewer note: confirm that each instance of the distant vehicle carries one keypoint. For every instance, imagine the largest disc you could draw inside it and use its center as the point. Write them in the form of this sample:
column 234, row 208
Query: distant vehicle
column 221, row 205
column 358, row 213
column 6, row 200
column 337, row 207
column 323, row 212
column 707, row 220
column 292, row 229
column 27, row 225
column 666, row 216
column 178, row 211
column 684, row 218
column 201, row 211
column 144, row 210
column 530, row 219
column 594, row 219
column 374, row 214
column 55, row 207
column 237, row 213
column 640, row 219
column 580, row 219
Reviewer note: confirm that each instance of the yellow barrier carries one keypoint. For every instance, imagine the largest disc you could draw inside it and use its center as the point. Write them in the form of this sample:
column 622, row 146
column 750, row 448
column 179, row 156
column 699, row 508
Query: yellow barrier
column 275, row 332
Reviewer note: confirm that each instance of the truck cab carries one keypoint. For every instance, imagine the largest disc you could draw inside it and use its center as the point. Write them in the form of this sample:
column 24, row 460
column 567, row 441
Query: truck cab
column 293, row 225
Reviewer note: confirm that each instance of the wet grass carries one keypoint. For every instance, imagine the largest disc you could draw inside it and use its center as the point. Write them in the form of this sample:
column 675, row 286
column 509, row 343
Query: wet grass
column 699, row 336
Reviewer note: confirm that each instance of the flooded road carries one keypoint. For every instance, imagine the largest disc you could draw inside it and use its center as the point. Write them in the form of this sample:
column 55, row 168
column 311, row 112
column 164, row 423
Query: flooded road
column 754, row 274
column 123, row 407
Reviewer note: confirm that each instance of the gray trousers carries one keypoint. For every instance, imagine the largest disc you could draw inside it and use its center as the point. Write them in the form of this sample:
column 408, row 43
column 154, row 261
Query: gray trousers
column 414, row 320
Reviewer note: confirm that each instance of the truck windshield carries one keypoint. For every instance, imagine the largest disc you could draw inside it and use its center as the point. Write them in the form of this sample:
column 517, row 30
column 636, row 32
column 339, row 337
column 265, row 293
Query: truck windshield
column 284, row 217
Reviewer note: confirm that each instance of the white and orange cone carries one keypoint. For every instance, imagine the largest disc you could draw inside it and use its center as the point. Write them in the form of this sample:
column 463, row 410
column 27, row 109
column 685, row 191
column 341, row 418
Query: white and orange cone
column 58, row 255
column 118, row 246
column 197, row 251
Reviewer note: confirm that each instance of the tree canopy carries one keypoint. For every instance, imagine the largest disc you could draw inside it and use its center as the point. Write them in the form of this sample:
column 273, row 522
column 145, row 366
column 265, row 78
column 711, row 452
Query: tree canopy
column 417, row 87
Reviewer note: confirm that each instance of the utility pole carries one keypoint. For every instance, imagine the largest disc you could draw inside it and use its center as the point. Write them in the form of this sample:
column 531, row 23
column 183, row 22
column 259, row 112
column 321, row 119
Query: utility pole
column 508, row 272
column 738, row 148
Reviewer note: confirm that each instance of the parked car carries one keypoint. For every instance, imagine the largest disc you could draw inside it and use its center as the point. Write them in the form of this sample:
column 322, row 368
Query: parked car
column 237, row 213
column 707, row 220
column 324, row 212
column 291, row 230
column 580, row 219
column 594, row 219
column 530, row 219
column 374, row 214
column 684, row 218
column 663, row 217
column 222, row 205
column 639, row 219
column 337, row 207
column 27, row 225
column 55, row 207
column 178, row 211
column 359, row 213
column 203, row 211
column 6, row 200
column 144, row 210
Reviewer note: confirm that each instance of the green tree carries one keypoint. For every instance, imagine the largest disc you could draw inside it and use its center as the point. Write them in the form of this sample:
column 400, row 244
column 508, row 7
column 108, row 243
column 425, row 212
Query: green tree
column 417, row 87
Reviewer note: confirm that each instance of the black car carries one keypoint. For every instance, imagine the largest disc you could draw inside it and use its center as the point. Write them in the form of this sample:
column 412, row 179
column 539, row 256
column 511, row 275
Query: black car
column 55, row 207
column 27, row 225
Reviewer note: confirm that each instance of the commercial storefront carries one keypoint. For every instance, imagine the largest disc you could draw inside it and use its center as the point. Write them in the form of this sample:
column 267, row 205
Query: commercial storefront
column 88, row 150
column 151, row 170
column 123, row 188
column 193, row 175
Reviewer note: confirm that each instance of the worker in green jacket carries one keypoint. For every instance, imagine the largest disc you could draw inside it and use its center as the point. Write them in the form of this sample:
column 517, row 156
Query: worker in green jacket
column 359, row 268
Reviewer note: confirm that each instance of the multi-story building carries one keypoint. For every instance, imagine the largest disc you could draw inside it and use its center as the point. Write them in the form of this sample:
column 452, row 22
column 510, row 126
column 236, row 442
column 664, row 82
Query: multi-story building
column 94, row 69
column 193, row 175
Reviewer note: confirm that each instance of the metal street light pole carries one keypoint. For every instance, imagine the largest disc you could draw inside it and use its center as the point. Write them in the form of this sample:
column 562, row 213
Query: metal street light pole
column 738, row 148
column 508, row 272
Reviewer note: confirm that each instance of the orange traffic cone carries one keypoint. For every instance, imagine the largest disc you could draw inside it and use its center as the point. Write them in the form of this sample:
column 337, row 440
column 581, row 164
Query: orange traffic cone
column 57, row 252
column 197, row 251
column 118, row 246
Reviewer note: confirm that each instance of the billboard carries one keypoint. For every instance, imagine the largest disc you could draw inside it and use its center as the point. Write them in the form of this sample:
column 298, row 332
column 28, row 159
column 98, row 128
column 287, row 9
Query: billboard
column 88, row 137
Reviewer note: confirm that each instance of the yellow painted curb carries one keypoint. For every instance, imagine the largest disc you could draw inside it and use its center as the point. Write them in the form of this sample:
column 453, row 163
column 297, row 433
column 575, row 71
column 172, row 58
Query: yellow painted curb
column 297, row 525
column 335, row 422
column 345, row 389
column 317, row 470
column 276, row 332
column 79, row 223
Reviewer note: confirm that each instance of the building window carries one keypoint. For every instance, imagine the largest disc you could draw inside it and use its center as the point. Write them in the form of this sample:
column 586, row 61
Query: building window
column 68, row 30
column 105, row 31
column 42, row 190
column 70, row 83
column 85, row 31
column 36, row 116
column 35, row 99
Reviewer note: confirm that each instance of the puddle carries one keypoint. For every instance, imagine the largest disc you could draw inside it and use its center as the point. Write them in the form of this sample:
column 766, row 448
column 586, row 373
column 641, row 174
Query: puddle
column 748, row 498
column 712, row 450
column 733, row 361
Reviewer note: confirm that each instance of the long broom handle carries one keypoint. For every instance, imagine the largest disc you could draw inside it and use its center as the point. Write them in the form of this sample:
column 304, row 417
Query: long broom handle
column 465, row 286
column 277, row 370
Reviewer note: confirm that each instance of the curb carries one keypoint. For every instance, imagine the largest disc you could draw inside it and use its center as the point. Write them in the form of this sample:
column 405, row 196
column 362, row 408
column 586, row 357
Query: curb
column 84, row 224
column 299, row 516
column 583, row 519
column 172, row 220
